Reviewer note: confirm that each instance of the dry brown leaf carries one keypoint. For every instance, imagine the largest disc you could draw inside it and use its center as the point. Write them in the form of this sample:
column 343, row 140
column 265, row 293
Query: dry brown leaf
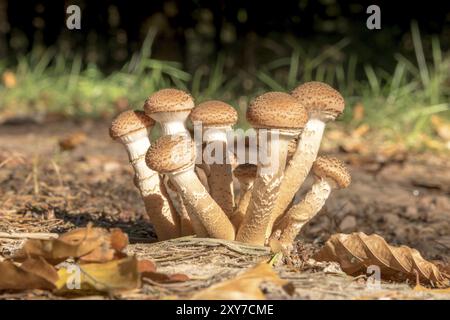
column 245, row 286
column 33, row 273
column 357, row 251
column 116, row 275
column 72, row 141
column 93, row 244
column 146, row 266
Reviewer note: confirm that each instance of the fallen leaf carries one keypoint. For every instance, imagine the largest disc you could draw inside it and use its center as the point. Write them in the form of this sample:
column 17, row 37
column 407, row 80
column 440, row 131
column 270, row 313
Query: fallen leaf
column 146, row 266
column 165, row 278
column 72, row 141
column 93, row 244
column 116, row 275
column 357, row 251
column 418, row 287
column 33, row 273
column 245, row 286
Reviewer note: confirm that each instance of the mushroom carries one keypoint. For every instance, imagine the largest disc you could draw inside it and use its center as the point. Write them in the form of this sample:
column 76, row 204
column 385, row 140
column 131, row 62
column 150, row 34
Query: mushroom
column 246, row 174
column 132, row 128
column 170, row 108
column 174, row 155
column 278, row 117
column 323, row 104
column 186, row 228
column 330, row 173
column 216, row 119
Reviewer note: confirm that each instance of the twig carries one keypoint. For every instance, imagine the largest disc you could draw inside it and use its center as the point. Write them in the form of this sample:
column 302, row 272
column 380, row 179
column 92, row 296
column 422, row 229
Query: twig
column 26, row 235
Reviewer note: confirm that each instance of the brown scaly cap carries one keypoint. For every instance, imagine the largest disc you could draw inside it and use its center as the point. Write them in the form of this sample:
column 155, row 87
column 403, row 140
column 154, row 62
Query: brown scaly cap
column 332, row 168
column 245, row 171
column 214, row 113
column 277, row 110
column 319, row 96
column 168, row 100
column 128, row 122
column 171, row 153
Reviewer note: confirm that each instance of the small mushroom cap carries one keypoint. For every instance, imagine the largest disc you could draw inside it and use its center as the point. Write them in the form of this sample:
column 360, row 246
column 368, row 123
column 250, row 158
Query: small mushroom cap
column 320, row 97
column 214, row 113
column 129, row 121
column 332, row 168
column 280, row 110
column 245, row 171
column 171, row 153
column 168, row 100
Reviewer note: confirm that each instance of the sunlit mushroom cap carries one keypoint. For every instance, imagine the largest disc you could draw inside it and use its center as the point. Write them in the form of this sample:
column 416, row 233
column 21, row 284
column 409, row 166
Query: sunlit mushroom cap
column 246, row 171
column 273, row 110
column 214, row 113
column 168, row 100
column 128, row 122
column 319, row 97
column 332, row 168
column 171, row 153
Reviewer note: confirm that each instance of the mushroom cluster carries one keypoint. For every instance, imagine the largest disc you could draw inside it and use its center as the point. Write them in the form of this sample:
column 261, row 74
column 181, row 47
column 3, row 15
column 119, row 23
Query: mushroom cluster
column 187, row 180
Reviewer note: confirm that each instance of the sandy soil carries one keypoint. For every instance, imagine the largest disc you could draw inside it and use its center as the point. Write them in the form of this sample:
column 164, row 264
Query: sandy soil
column 43, row 189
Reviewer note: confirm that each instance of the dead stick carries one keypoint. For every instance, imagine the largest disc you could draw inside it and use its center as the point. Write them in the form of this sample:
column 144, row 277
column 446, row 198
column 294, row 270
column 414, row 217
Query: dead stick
column 25, row 235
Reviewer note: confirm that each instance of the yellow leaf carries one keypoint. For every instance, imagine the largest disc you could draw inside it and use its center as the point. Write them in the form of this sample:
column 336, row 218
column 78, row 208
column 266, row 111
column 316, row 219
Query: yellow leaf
column 245, row 286
column 99, row 277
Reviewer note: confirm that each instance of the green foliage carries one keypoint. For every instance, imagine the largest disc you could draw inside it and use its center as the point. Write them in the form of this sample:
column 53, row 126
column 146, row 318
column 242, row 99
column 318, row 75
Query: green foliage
column 400, row 101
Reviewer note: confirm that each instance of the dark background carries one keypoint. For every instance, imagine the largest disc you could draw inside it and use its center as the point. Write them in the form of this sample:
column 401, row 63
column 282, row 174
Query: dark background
column 195, row 31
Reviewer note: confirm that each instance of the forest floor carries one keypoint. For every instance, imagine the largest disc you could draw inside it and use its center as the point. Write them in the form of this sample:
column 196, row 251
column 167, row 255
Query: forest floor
column 405, row 199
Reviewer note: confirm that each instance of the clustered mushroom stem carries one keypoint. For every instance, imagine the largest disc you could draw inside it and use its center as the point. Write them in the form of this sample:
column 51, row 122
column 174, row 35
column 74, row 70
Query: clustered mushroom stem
column 199, row 203
column 298, row 168
column 154, row 195
column 220, row 178
column 265, row 192
column 186, row 227
column 241, row 209
column 292, row 222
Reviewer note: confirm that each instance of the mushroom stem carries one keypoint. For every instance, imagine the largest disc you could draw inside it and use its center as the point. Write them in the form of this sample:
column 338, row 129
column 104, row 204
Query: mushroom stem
column 154, row 195
column 292, row 222
column 265, row 191
column 298, row 168
column 199, row 203
column 172, row 122
column 186, row 227
column 220, row 178
column 244, row 200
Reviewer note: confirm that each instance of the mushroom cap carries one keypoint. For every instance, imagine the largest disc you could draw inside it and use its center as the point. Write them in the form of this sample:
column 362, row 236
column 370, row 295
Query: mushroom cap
column 320, row 97
column 129, row 121
column 332, row 168
column 274, row 110
column 171, row 153
column 245, row 171
column 168, row 100
column 214, row 113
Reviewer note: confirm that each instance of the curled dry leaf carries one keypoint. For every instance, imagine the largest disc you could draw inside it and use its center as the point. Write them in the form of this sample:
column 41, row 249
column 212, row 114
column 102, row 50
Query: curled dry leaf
column 33, row 273
column 92, row 244
column 357, row 251
column 245, row 286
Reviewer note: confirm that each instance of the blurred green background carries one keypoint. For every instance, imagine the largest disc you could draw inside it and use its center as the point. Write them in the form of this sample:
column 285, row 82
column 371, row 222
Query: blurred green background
column 396, row 80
